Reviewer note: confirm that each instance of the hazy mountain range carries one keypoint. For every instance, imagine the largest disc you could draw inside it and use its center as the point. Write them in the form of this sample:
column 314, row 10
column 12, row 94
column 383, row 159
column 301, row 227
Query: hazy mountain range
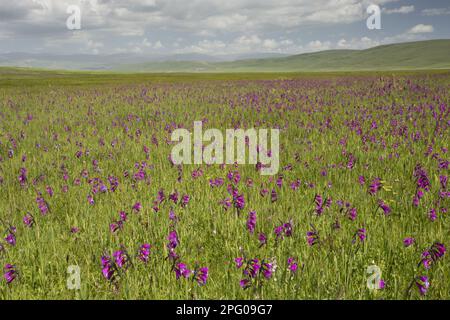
column 432, row 54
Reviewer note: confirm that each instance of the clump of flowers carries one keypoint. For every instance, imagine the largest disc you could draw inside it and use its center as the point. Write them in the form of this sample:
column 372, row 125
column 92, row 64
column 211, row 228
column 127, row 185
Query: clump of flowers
column 118, row 225
column 108, row 268
column 255, row 271
column 201, row 275
column 283, row 230
column 181, row 270
column 42, row 205
column 432, row 255
column 122, row 259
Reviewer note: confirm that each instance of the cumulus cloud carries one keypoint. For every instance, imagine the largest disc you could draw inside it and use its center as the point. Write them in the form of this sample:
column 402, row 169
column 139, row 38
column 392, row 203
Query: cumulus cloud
column 204, row 26
column 436, row 12
column 421, row 28
column 402, row 10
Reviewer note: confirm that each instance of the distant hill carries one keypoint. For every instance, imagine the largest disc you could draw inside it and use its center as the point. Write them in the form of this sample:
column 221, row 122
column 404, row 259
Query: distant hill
column 431, row 54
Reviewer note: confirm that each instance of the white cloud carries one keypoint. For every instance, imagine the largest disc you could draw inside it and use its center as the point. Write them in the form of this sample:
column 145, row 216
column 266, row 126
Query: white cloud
column 318, row 45
column 158, row 45
column 436, row 11
column 402, row 9
column 421, row 28
column 270, row 44
column 205, row 26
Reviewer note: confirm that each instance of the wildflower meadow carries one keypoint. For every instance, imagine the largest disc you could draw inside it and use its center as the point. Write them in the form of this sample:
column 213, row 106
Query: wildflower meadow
column 93, row 205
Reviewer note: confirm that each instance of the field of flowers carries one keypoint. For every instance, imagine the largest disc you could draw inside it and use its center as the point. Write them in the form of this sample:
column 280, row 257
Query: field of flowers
column 86, row 181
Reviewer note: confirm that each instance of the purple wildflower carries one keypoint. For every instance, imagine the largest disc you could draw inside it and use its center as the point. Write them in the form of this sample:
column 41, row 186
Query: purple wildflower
column 422, row 284
column 251, row 222
column 10, row 273
column 375, row 186
column 107, row 268
column 408, row 241
column 292, row 265
column 182, row 270
column 144, row 252
column 121, row 258
column 202, row 276
column 262, row 238
column 312, row 237
column 137, row 207
column 28, row 220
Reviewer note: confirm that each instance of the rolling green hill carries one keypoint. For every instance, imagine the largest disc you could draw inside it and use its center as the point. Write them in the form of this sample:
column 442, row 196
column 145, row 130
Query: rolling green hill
column 432, row 54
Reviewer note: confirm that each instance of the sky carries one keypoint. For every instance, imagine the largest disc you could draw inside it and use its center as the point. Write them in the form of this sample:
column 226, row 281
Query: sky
column 215, row 27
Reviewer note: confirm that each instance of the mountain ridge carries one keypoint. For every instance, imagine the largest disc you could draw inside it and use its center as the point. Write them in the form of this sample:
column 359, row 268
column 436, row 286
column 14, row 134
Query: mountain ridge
column 429, row 54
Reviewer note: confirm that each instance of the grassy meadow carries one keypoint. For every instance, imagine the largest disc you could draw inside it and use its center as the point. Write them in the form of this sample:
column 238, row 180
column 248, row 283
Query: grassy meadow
column 86, row 180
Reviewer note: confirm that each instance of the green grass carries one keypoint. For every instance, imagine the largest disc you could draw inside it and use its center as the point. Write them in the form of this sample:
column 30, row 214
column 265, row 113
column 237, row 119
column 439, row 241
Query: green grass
column 114, row 115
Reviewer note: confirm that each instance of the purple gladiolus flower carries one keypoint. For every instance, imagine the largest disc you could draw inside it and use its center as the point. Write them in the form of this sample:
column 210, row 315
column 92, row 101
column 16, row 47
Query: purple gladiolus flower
column 244, row 283
column 443, row 180
column 251, row 221
column 312, row 237
column 238, row 200
column 278, row 232
column 361, row 233
column 107, row 268
column 22, row 177
column 433, row 254
column 123, row 216
column 11, row 239
column 120, row 258
column 49, row 191
column 174, row 197
column 386, row 209
column 432, row 215
column 74, row 230
column 239, row 262
column 352, row 214
column 185, row 200
column 361, row 180
column 137, row 207
column 28, row 220
column 262, row 238
column 172, row 215
column 273, row 196
column 422, row 284
column 375, row 186
column 267, row 270
column 422, row 179
column 173, row 240
column 226, row 203
column 292, row 265
column 116, row 226
column 252, row 268
column 408, row 241
column 182, row 270
column 42, row 205
column 10, row 273
column 144, row 252
column 202, row 276
column 90, row 199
